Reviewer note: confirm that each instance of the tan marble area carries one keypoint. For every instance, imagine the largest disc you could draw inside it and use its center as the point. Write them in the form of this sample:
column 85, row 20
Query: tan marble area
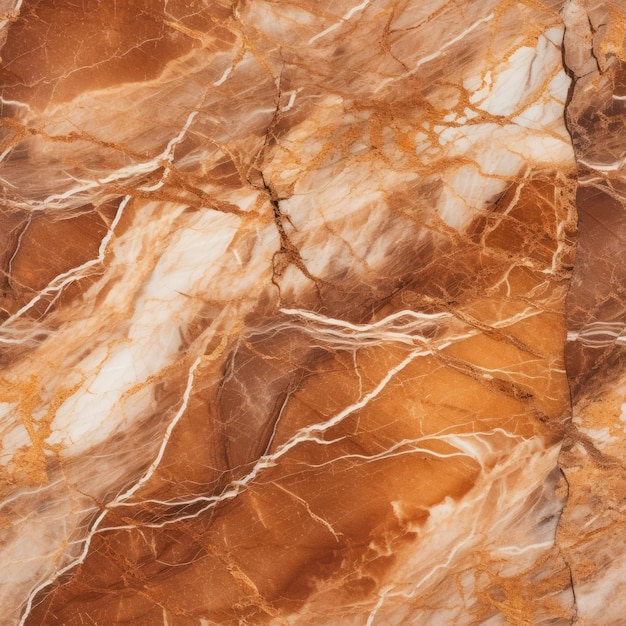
column 313, row 313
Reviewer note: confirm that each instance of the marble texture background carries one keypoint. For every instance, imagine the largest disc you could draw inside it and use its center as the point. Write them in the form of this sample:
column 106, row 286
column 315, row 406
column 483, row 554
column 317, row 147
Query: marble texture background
column 312, row 313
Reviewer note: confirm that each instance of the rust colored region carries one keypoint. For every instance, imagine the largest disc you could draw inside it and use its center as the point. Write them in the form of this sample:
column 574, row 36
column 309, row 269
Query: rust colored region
column 302, row 490
column 342, row 507
column 105, row 43
column 43, row 251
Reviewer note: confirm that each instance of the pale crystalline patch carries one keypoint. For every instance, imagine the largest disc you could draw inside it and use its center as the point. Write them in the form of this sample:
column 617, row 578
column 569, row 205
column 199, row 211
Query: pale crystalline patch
column 511, row 85
column 88, row 417
column 307, row 142
column 355, row 206
column 188, row 266
column 605, row 594
column 452, row 532
column 539, row 148
column 522, row 75
column 339, row 204
column 478, row 86
column 600, row 436
column 289, row 174
column 5, row 409
column 461, row 138
column 17, row 435
column 496, row 153
column 549, row 109
column 422, row 142
column 469, row 187
column 454, row 211
column 9, row 11
column 554, row 35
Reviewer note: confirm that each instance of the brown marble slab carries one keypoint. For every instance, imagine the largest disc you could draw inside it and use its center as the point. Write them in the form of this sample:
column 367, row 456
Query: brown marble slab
column 312, row 313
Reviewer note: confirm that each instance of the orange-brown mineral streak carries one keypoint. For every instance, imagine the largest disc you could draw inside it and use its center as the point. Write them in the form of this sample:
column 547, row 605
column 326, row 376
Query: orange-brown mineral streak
column 283, row 310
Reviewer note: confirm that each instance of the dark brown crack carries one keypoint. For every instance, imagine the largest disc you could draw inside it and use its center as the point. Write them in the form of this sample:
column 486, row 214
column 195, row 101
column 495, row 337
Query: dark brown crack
column 288, row 254
column 561, row 552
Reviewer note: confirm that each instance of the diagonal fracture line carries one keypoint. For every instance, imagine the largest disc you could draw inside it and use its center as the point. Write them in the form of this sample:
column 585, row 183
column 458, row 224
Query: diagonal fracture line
column 454, row 439
column 439, row 51
column 76, row 273
column 126, row 172
column 308, row 433
column 336, row 25
column 304, row 435
column 124, row 496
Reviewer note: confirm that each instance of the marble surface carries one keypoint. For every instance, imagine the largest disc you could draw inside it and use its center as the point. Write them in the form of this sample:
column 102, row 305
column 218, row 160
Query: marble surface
column 313, row 313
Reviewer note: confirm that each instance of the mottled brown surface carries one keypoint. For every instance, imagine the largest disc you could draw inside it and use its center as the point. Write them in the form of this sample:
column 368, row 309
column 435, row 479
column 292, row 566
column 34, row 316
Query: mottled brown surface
column 312, row 314
column 592, row 532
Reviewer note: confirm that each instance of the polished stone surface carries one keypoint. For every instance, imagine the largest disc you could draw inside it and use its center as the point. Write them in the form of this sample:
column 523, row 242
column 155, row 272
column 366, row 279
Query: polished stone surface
column 312, row 313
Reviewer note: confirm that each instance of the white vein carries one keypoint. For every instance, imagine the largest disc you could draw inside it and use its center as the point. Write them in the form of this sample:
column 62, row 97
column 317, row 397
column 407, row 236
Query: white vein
column 121, row 498
column 165, row 157
column 599, row 334
column 336, row 25
column 58, row 283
